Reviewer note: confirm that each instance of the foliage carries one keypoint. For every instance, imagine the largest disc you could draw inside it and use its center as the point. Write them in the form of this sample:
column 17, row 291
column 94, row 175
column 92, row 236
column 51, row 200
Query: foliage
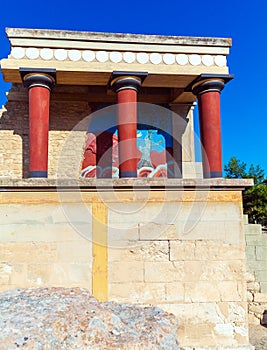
column 255, row 197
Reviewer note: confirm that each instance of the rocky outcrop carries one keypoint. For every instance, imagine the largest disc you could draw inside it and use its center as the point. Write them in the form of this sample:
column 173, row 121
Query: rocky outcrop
column 71, row 318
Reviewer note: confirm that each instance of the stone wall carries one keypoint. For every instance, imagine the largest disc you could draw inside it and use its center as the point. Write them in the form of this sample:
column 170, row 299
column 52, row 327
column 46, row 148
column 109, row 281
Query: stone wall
column 181, row 250
column 256, row 253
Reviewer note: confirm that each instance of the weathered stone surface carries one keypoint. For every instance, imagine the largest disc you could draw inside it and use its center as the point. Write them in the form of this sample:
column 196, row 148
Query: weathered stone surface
column 65, row 318
column 258, row 337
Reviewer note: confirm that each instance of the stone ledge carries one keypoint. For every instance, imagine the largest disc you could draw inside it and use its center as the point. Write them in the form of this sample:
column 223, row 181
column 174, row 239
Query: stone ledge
column 10, row 184
column 25, row 33
column 234, row 347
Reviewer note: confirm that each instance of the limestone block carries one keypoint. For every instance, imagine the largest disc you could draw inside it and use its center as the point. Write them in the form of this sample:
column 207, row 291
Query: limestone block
column 257, row 310
column 258, row 265
column 5, row 272
column 28, row 252
column 38, row 274
column 232, row 291
column 119, row 234
column 218, row 211
column 263, row 286
column 216, row 317
column 253, row 286
column 154, row 231
column 49, row 213
column 138, row 292
column 182, row 250
column 234, row 232
column 193, row 230
column 260, row 298
column 253, row 229
column 261, row 253
column 62, row 274
column 261, row 275
column 72, row 213
column 175, row 292
column 44, row 232
column 232, row 270
column 200, row 336
column 164, row 271
column 201, row 291
column 75, row 252
column 214, row 250
column 256, row 240
column 134, row 212
column 141, row 251
column 80, row 273
column 234, row 312
column 126, row 271
column 250, row 276
column 195, row 313
column 251, row 253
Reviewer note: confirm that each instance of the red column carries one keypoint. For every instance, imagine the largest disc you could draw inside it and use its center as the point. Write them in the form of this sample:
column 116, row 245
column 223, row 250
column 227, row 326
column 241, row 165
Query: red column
column 208, row 94
column 126, row 88
column 39, row 86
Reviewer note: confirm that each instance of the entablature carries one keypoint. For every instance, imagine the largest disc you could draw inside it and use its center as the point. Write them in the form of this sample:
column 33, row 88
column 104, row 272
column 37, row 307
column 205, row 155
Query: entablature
column 89, row 58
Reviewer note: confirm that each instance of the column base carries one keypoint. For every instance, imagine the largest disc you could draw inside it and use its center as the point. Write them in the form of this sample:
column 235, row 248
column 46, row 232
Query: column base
column 212, row 174
column 130, row 173
column 38, row 173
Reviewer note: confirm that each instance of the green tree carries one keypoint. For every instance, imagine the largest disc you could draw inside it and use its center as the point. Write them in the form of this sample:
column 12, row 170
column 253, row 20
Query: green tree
column 255, row 197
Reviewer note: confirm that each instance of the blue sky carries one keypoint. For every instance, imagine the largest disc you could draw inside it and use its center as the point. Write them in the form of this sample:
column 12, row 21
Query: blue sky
column 243, row 101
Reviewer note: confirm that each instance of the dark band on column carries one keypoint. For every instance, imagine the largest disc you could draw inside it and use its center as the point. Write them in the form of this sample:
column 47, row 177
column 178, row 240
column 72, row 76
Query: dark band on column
column 129, row 173
column 38, row 173
column 212, row 174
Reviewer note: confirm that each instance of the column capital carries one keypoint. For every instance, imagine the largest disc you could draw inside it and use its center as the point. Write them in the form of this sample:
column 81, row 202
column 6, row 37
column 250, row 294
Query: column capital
column 208, row 86
column 126, row 80
column 38, row 77
column 209, row 83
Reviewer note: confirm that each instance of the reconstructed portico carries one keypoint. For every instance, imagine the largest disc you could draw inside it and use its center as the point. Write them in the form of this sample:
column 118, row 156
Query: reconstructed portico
column 174, row 238
column 126, row 69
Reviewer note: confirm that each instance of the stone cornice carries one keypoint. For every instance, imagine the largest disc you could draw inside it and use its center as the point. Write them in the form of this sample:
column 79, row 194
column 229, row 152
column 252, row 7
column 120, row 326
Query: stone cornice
column 13, row 33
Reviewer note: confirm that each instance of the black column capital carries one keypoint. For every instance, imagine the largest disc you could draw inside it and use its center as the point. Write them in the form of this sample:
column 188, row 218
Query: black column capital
column 208, row 86
column 38, row 77
column 126, row 80
column 208, row 82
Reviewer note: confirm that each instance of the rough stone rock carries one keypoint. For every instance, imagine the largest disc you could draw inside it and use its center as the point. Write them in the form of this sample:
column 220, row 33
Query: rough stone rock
column 258, row 336
column 71, row 318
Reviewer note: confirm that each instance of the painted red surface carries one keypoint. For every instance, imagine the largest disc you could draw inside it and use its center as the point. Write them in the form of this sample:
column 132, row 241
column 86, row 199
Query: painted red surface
column 90, row 151
column 127, row 128
column 157, row 158
column 39, row 98
column 96, row 170
column 209, row 114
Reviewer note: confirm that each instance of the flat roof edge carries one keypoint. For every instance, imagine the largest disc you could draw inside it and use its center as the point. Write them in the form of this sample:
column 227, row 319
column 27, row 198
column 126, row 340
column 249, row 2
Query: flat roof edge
column 116, row 37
